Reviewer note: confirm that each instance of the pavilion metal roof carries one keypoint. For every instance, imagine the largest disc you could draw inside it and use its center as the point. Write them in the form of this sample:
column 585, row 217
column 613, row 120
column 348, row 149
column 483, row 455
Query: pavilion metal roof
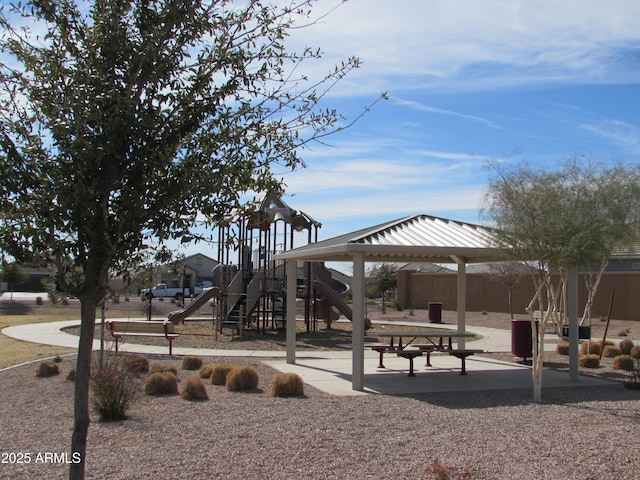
column 410, row 239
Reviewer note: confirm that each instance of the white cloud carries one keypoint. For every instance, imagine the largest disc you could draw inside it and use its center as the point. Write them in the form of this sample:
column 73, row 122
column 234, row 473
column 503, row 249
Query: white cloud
column 477, row 45
column 618, row 132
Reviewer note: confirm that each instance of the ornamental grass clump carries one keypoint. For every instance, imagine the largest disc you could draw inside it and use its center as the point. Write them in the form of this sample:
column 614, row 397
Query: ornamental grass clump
column 562, row 348
column 194, row 390
column 635, row 352
column 589, row 361
column 161, row 383
column 191, row 363
column 205, row 372
column 219, row 373
column 623, row 362
column 162, row 368
column 287, row 385
column 114, row 389
column 242, row 378
column 611, row 351
column 47, row 369
column 625, row 346
column 593, row 347
column 136, row 363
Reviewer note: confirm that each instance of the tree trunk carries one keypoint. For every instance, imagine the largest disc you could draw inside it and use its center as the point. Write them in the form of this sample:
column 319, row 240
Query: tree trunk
column 81, row 422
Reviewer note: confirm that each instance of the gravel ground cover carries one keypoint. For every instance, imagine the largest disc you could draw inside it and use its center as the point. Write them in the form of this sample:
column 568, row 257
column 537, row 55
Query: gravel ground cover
column 576, row 433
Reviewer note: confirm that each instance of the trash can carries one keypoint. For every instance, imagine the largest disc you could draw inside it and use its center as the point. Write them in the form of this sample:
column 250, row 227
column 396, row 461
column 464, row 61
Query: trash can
column 435, row 312
column 521, row 338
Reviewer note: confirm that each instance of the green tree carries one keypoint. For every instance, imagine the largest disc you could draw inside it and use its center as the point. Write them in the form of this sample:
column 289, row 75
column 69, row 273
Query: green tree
column 124, row 121
column 384, row 279
column 13, row 274
column 563, row 219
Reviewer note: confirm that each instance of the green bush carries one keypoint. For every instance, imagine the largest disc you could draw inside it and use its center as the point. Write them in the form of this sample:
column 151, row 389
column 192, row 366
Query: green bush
column 161, row 383
column 191, row 363
column 114, row 389
column 194, row 389
column 287, row 385
column 47, row 369
column 219, row 373
column 242, row 378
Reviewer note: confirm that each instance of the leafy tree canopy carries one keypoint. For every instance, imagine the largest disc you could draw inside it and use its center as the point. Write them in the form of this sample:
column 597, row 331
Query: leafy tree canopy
column 566, row 218
column 125, row 121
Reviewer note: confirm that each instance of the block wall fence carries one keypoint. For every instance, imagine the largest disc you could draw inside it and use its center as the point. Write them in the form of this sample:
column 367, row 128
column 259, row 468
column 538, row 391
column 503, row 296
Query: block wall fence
column 489, row 293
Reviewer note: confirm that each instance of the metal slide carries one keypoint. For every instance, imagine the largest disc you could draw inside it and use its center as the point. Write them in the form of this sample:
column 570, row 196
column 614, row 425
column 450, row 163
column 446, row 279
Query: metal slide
column 336, row 300
column 207, row 294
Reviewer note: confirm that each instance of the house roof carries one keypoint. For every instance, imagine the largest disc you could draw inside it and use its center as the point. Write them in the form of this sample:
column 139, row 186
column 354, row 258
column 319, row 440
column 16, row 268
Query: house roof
column 417, row 238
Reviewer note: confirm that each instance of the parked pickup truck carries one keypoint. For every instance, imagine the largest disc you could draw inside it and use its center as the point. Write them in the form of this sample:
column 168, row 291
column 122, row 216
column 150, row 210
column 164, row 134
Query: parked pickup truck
column 161, row 290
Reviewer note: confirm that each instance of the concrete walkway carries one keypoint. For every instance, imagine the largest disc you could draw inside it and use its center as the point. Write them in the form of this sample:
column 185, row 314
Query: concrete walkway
column 330, row 371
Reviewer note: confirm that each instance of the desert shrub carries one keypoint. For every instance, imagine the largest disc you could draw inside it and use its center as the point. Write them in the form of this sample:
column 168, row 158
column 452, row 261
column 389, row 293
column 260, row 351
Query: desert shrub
column 625, row 346
column 219, row 373
column 191, row 363
column 287, row 385
column 47, row 369
column 161, row 383
column 162, row 368
column 194, row 389
column 71, row 376
column 623, row 362
column 635, row 352
column 593, row 347
column 611, row 351
column 136, row 363
column 205, row 372
column 114, row 389
column 56, row 359
column 589, row 361
column 438, row 471
column 562, row 348
column 242, row 378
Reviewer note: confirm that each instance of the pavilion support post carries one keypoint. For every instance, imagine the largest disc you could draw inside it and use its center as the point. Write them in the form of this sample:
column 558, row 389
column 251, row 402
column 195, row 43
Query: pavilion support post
column 357, row 339
column 462, row 301
column 292, row 273
column 572, row 313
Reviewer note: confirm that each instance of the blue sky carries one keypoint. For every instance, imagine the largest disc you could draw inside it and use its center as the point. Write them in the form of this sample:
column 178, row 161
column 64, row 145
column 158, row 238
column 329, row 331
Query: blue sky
column 534, row 81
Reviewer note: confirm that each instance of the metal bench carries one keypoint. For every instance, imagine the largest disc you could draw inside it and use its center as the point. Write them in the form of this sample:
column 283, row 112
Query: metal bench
column 462, row 355
column 142, row 328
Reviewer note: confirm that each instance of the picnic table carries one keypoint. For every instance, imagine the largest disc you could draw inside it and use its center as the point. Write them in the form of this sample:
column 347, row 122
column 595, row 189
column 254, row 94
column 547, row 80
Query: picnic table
column 435, row 342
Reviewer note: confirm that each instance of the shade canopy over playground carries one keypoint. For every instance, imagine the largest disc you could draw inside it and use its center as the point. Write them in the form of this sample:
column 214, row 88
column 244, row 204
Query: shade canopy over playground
column 417, row 238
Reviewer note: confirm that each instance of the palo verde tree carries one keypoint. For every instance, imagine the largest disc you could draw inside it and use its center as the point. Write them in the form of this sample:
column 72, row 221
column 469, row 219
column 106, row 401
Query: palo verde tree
column 564, row 219
column 383, row 279
column 124, row 121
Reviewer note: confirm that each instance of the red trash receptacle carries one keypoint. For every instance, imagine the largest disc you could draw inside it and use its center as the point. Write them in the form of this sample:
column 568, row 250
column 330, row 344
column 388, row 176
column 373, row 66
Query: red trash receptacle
column 435, row 312
column 521, row 338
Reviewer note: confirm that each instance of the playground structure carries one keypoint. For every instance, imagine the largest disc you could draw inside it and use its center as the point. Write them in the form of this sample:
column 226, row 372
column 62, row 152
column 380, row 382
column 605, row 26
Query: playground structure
column 252, row 291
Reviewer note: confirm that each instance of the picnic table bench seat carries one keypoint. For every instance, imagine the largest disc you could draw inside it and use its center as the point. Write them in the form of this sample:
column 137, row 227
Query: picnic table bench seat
column 462, row 354
column 143, row 328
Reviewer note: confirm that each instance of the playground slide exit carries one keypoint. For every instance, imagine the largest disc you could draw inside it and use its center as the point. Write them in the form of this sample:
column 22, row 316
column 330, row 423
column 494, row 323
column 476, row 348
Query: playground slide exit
column 207, row 294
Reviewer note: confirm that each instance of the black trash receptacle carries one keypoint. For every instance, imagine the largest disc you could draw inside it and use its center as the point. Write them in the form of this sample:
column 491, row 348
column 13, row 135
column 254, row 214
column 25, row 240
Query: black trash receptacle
column 435, row 312
column 521, row 338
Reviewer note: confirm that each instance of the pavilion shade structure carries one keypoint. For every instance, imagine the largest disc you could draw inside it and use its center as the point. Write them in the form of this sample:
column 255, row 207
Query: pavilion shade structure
column 411, row 239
